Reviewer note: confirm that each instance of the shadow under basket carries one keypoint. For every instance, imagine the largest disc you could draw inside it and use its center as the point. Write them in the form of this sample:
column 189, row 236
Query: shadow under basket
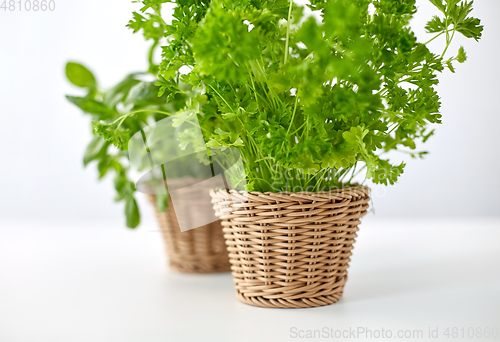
column 290, row 250
column 200, row 250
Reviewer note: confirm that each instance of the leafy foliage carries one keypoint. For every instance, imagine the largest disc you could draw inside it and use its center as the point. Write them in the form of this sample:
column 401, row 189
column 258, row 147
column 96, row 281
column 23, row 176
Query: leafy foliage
column 79, row 75
column 135, row 94
column 318, row 98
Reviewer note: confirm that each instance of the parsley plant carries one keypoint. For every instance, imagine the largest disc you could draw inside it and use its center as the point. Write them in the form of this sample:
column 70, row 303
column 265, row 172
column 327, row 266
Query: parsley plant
column 310, row 95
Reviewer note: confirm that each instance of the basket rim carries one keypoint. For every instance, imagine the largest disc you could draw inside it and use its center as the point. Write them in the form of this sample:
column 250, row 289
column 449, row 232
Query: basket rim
column 363, row 188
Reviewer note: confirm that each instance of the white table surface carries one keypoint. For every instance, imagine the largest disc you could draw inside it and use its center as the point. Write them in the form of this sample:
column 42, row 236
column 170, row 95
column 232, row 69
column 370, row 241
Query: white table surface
column 98, row 281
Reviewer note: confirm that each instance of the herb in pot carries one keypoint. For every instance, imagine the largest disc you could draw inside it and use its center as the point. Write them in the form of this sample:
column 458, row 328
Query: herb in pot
column 133, row 94
column 310, row 95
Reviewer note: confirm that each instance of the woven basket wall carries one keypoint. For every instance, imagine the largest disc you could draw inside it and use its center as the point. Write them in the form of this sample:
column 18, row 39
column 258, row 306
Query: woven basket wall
column 200, row 250
column 290, row 250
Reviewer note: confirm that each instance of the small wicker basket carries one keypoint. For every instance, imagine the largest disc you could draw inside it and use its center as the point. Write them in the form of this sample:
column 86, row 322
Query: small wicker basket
column 290, row 250
column 200, row 250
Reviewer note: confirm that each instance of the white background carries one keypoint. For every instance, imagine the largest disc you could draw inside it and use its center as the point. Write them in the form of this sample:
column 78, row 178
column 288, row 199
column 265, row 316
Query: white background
column 43, row 136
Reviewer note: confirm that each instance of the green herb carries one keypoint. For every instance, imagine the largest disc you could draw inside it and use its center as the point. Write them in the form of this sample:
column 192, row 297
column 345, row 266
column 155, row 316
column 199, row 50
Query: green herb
column 106, row 109
column 317, row 98
column 309, row 103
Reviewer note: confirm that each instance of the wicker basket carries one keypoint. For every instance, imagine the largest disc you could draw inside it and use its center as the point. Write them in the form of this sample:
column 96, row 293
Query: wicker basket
column 290, row 250
column 200, row 250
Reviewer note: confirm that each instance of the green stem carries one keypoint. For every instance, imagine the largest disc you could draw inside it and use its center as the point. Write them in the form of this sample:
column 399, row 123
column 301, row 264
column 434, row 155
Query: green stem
column 255, row 92
column 448, row 39
column 223, row 99
column 151, row 52
column 157, row 10
column 293, row 115
column 125, row 116
column 288, row 31
column 353, row 172
column 439, row 35
column 448, row 42
column 360, row 170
